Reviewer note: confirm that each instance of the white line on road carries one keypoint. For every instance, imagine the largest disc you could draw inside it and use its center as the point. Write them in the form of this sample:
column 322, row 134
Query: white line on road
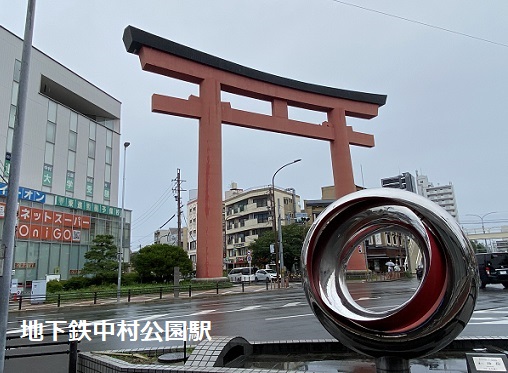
column 153, row 317
column 289, row 317
column 249, row 308
column 202, row 312
column 367, row 298
column 292, row 304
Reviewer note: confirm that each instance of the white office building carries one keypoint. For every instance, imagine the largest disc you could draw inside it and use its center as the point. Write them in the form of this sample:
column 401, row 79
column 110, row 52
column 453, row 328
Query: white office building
column 70, row 164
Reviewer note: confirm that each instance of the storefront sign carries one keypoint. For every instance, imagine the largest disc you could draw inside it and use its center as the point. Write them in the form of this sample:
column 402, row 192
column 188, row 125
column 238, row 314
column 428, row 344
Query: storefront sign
column 19, row 265
column 25, row 193
column 47, row 233
column 55, row 218
column 47, row 175
column 69, row 181
column 78, row 204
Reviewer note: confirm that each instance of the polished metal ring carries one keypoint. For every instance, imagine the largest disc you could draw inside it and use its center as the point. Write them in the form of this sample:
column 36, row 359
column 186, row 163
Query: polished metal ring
column 437, row 311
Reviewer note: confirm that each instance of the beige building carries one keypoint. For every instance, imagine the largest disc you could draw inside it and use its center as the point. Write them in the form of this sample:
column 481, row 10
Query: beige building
column 248, row 213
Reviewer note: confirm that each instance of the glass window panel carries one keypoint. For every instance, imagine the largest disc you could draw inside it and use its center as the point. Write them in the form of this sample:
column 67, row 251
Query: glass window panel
column 73, row 140
column 52, row 111
column 73, row 125
column 82, row 251
column 109, row 156
column 20, row 251
column 48, row 155
column 91, row 149
column 33, row 253
column 71, row 161
column 17, row 70
column 93, row 128
column 107, row 173
column 54, row 259
column 90, row 167
column 12, row 116
column 43, row 262
column 74, row 258
column 64, row 261
column 50, row 132
column 109, row 138
column 10, row 134
column 14, row 95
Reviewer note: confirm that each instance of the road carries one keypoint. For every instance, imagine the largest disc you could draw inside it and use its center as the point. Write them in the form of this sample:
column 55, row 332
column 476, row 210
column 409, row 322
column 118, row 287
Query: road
column 265, row 315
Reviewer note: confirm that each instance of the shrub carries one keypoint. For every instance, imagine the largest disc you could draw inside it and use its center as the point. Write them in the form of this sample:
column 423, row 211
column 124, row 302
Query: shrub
column 130, row 278
column 75, row 283
column 54, row 286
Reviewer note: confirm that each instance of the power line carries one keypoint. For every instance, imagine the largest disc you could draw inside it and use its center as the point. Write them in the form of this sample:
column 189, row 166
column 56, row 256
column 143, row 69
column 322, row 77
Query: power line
column 153, row 209
column 423, row 23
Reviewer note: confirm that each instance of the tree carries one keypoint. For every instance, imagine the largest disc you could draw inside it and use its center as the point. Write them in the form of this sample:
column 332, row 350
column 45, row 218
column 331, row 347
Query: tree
column 293, row 236
column 101, row 259
column 157, row 262
column 478, row 246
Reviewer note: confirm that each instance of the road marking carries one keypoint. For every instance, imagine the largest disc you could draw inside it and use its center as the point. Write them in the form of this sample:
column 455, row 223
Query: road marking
column 202, row 312
column 153, row 317
column 367, row 298
column 498, row 322
column 289, row 317
column 249, row 308
column 292, row 304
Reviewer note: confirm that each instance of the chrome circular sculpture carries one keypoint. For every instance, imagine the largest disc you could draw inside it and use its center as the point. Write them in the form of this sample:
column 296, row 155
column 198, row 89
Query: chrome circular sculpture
column 439, row 309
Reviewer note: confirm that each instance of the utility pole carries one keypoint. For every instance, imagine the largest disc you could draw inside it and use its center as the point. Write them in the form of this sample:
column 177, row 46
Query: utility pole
column 11, row 208
column 178, row 189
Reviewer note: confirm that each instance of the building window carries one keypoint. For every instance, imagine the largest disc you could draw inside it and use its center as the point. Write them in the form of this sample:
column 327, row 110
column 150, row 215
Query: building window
column 73, row 140
column 50, row 132
column 91, row 148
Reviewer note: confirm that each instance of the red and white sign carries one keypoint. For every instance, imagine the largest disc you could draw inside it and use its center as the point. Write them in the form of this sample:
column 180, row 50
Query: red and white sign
column 47, row 233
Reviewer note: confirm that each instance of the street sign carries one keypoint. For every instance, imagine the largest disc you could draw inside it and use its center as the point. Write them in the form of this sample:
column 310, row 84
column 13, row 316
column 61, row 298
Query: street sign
column 249, row 258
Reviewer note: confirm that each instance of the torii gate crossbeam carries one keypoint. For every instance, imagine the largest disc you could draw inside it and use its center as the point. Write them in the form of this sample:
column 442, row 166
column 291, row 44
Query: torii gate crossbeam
column 214, row 75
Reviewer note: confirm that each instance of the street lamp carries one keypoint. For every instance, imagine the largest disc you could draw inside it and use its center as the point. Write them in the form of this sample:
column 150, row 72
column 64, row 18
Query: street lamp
column 274, row 222
column 122, row 218
column 483, row 226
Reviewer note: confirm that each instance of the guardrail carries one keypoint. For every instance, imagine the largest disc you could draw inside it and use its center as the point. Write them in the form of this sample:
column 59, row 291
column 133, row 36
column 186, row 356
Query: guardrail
column 54, row 346
column 125, row 294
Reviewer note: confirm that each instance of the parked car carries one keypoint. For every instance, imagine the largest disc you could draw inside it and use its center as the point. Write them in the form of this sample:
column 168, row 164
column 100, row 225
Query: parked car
column 493, row 269
column 242, row 274
column 266, row 275
column 419, row 272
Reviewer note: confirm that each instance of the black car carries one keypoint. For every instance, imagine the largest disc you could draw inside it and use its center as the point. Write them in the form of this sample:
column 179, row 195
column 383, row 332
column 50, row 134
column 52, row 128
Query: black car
column 493, row 269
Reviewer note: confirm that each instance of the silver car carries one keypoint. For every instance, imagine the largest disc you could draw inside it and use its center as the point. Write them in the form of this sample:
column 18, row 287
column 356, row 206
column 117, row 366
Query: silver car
column 266, row 275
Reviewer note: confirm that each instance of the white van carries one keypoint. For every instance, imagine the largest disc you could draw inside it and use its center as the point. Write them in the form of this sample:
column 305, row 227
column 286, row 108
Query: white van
column 241, row 274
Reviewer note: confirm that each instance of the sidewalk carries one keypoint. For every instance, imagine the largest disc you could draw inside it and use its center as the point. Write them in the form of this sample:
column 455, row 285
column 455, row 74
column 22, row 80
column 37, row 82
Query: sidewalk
column 145, row 298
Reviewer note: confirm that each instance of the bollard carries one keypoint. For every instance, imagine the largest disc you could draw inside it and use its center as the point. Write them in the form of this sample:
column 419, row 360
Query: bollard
column 20, row 301
column 73, row 356
column 58, row 301
column 217, row 287
column 243, row 286
column 266, row 284
column 190, row 293
column 160, row 293
column 129, row 296
column 185, row 350
column 95, row 298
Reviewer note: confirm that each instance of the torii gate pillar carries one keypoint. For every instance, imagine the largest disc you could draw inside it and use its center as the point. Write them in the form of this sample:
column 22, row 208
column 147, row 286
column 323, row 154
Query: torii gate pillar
column 214, row 75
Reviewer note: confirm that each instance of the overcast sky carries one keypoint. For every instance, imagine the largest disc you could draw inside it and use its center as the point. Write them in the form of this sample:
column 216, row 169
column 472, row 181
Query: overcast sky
column 442, row 64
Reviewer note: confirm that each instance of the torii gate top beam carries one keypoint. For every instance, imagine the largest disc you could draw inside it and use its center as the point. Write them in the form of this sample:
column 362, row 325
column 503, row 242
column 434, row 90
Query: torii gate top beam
column 135, row 39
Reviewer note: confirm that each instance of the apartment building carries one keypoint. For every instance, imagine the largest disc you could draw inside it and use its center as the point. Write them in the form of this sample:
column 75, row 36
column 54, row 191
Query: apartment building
column 443, row 195
column 248, row 213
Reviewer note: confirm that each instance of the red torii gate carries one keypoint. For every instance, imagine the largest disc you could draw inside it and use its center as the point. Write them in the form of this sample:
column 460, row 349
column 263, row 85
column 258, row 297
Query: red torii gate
column 214, row 75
